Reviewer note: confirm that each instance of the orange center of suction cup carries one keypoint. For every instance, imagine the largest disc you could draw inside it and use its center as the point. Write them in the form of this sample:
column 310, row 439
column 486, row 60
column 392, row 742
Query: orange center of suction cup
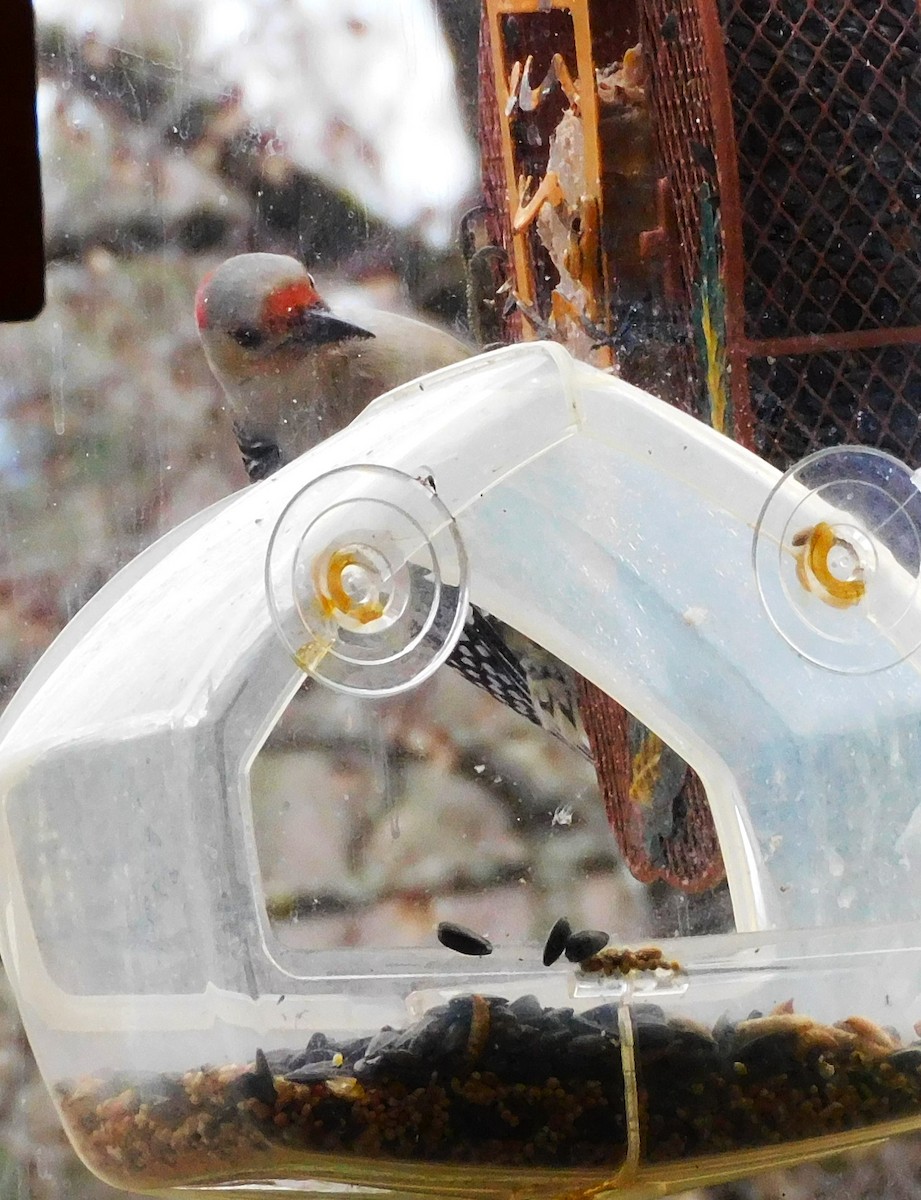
column 830, row 564
column 348, row 587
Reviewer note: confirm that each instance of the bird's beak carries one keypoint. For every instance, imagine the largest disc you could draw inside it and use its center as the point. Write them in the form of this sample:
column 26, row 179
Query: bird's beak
column 318, row 328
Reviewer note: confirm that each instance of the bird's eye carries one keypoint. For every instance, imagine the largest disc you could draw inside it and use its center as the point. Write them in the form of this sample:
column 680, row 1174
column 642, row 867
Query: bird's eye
column 247, row 337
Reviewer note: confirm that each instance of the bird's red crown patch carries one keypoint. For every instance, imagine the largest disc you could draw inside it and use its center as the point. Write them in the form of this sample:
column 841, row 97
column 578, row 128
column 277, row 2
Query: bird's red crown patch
column 285, row 300
column 201, row 306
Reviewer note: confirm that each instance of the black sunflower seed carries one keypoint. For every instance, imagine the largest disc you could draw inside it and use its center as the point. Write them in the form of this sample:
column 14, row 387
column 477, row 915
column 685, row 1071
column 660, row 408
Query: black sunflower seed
column 557, row 938
column 585, row 943
column 463, row 940
column 259, row 1083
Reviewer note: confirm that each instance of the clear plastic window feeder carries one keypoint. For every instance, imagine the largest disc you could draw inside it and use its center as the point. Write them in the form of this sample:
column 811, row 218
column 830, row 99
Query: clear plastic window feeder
column 766, row 627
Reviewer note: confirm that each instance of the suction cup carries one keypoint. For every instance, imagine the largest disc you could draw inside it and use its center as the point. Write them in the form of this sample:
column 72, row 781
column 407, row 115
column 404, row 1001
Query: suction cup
column 366, row 580
column 837, row 556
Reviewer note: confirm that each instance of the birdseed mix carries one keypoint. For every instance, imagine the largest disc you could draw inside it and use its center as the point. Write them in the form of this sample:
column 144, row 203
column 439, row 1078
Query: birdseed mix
column 482, row 1080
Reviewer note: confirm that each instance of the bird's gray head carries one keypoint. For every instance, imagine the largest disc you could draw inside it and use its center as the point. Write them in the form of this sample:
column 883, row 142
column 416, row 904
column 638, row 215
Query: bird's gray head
column 258, row 310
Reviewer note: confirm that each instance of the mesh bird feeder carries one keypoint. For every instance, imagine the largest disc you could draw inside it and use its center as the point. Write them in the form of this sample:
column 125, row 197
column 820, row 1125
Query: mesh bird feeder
column 809, row 115
column 755, row 173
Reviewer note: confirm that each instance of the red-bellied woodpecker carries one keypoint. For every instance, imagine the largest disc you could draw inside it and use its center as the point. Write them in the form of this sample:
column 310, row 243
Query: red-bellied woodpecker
column 295, row 372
